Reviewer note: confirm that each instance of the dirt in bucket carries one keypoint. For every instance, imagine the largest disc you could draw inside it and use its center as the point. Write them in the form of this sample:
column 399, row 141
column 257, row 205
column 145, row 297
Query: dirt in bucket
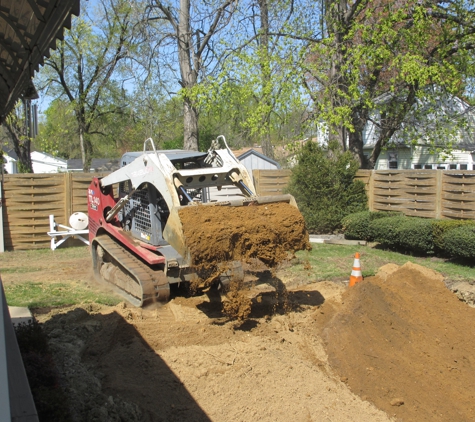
column 405, row 343
column 216, row 235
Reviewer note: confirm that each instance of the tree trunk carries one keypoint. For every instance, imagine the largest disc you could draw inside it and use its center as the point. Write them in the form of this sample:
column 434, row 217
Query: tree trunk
column 21, row 143
column 190, row 116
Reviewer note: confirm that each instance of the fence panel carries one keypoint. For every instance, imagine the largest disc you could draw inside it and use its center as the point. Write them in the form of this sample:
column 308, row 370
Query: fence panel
column 29, row 199
column 413, row 192
column 458, row 194
column 270, row 182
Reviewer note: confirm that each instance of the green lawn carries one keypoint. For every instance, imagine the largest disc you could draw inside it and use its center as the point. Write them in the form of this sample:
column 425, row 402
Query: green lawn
column 334, row 262
column 34, row 278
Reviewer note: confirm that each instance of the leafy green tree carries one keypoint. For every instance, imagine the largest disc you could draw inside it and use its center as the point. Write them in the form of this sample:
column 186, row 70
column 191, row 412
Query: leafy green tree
column 20, row 136
column 91, row 66
column 380, row 58
column 192, row 28
column 323, row 185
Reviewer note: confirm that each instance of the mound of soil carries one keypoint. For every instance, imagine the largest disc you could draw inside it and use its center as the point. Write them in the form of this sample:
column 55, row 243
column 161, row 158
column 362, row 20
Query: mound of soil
column 217, row 234
column 404, row 342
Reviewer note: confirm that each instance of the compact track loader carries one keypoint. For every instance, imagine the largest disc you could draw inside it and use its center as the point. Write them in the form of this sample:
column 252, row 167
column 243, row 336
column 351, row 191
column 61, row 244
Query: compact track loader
column 136, row 236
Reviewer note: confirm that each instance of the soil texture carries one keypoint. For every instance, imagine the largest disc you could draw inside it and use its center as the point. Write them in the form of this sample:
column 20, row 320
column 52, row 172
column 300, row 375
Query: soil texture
column 404, row 342
column 216, row 234
column 396, row 347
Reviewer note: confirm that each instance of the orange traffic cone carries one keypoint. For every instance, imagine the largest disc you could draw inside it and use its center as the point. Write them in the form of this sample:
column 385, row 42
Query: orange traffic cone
column 356, row 275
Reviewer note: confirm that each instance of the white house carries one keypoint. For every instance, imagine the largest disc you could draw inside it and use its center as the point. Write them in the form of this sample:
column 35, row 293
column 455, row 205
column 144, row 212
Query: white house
column 417, row 154
column 10, row 161
column 40, row 161
column 46, row 163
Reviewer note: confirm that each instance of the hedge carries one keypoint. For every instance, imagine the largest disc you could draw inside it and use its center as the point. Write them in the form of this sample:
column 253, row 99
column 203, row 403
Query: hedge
column 460, row 242
column 421, row 235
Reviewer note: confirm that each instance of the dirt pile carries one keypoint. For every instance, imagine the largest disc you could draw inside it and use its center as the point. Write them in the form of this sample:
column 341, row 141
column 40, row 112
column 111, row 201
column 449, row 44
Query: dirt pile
column 217, row 234
column 404, row 342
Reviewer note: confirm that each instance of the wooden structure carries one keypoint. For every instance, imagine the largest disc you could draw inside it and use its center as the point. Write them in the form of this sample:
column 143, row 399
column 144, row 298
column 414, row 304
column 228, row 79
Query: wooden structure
column 29, row 200
column 271, row 182
column 445, row 194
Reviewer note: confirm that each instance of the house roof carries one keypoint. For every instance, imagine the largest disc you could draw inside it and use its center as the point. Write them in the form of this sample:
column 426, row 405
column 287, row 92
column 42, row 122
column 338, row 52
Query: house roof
column 28, row 30
column 97, row 165
column 241, row 151
column 257, row 154
column 10, row 152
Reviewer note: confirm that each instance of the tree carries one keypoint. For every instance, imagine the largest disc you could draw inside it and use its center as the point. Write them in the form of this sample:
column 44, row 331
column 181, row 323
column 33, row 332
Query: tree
column 88, row 71
column 379, row 57
column 192, row 30
column 20, row 134
column 323, row 185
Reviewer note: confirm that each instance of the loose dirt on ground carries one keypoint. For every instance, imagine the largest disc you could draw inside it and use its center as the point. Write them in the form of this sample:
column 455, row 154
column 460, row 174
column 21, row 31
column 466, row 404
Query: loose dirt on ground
column 397, row 347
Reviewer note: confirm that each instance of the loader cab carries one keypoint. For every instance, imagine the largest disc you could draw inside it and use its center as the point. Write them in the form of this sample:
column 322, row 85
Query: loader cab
column 146, row 213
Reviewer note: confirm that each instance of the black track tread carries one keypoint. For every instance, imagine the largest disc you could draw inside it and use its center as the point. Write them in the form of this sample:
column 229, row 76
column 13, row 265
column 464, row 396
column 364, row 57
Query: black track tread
column 151, row 282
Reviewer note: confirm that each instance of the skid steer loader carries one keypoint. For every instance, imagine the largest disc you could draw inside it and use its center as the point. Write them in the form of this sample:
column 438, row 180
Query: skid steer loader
column 136, row 236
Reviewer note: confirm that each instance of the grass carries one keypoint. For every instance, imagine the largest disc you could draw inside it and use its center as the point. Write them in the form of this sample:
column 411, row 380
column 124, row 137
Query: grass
column 45, row 278
column 32, row 278
column 334, row 262
column 41, row 295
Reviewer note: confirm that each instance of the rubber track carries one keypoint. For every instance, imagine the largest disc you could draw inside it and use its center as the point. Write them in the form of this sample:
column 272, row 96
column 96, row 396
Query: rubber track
column 154, row 284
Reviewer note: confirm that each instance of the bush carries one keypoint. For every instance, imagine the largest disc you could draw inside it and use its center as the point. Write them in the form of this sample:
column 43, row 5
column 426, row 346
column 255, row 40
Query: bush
column 416, row 234
column 386, row 230
column 441, row 227
column 460, row 242
column 324, row 187
column 357, row 225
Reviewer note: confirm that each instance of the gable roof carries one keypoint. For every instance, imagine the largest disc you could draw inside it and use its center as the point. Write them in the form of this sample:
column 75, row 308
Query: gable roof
column 97, row 165
column 259, row 155
column 10, row 153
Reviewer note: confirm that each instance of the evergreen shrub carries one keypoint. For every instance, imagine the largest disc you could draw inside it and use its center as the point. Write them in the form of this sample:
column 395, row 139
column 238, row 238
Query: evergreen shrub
column 386, row 230
column 357, row 225
column 441, row 227
column 323, row 185
column 460, row 242
column 416, row 234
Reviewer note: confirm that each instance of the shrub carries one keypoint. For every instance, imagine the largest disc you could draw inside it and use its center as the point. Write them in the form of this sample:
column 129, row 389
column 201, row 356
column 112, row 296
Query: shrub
column 357, row 225
column 324, row 187
column 386, row 230
column 460, row 242
column 416, row 234
column 441, row 227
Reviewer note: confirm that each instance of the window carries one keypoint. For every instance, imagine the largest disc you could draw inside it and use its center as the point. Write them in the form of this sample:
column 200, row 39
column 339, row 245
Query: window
column 463, row 166
column 417, row 166
column 453, row 166
column 392, row 160
column 440, row 167
column 428, row 166
column 473, row 166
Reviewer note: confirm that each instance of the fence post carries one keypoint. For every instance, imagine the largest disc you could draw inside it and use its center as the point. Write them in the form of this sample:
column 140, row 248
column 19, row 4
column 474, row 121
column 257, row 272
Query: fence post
column 68, row 195
column 371, row 191
column 438, row 194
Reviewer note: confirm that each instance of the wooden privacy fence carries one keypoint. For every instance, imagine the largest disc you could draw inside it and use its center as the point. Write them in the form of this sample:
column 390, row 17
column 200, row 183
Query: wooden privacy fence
column 445, row 194
column 29, row 199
